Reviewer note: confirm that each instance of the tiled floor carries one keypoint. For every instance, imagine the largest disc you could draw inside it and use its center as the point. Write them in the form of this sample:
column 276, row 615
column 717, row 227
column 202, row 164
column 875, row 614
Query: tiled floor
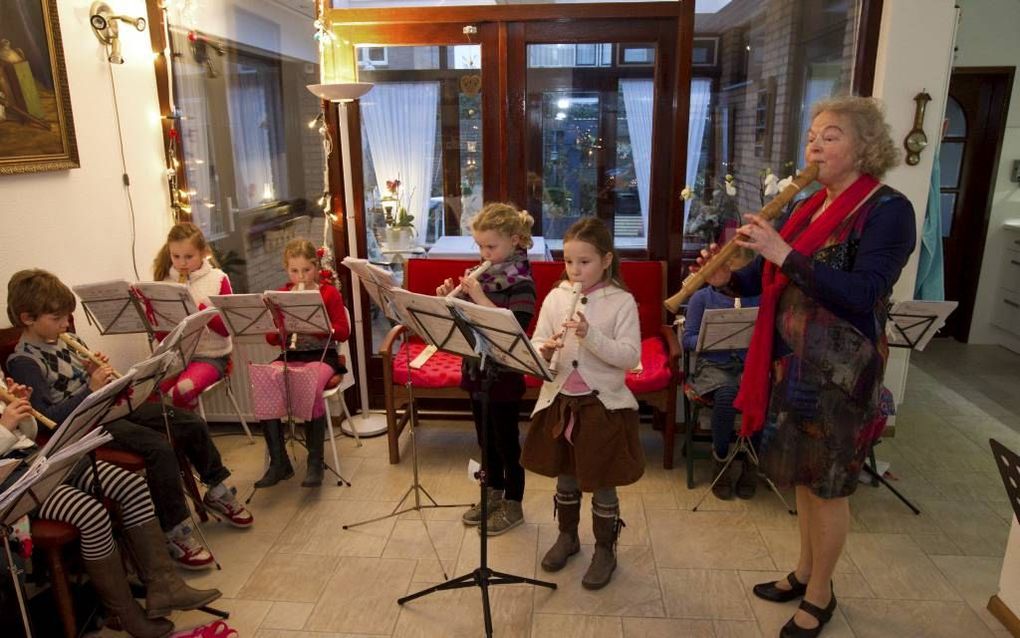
column 681, row 573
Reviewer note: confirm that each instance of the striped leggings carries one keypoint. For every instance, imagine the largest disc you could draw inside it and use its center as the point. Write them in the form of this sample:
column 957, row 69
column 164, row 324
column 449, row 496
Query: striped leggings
column 73, row 503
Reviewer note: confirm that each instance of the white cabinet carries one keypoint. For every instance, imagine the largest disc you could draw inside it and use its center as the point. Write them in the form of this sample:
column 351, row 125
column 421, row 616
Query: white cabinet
column 1006, row 310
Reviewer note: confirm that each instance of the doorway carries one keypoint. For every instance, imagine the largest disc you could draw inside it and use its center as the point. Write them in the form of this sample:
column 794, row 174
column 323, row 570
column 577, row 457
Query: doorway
column 969, row 156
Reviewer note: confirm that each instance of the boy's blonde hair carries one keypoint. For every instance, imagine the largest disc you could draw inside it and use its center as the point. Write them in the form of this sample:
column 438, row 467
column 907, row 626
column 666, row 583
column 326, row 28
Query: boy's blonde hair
column 506, row 219
column 37, row 292
column 180, row 232
column 301, row 248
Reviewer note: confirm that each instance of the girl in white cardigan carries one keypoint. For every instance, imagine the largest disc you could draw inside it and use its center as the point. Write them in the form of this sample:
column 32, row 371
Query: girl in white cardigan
column 585, row 425
column 186, row 259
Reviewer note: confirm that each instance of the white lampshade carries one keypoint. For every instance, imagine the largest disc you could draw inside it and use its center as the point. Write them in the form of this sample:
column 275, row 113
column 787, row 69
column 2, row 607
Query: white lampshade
column 340, row 91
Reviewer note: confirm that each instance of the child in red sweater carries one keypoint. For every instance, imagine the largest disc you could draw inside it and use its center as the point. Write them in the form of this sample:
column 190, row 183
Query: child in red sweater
column 311, row 357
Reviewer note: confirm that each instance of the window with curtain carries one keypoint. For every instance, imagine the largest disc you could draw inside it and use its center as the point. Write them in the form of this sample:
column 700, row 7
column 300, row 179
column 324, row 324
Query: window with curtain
column 250, row 145
column 759, row 66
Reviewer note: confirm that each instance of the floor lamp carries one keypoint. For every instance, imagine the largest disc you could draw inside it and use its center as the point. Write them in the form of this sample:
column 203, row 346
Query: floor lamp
column 367, row 423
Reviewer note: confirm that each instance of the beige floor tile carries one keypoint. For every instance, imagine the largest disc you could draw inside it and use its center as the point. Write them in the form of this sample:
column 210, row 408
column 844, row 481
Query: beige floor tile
column 512, row 552
column 660, row 500
column 972, row 525
column 458, row 613
column 711, row 540
column 784, row 547
column 289, row 577
column 704, row 593
column 772, row 616
column 912, row 619
column 736, row 629
column 317, row 529
column 936, row 543
column 976, row 578
column 238, row 559
column 633, row 591
column 896, row 568
column 561, row 626
column 287, row 633
column 428, row 571
column 666, row 628
column 362, row 596
column 285, row 615
column 415, row 539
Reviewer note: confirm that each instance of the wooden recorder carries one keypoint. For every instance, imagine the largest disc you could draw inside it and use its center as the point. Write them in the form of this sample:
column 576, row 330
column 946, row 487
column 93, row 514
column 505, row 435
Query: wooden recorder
column 84, row 353
column 696, row 280
column 8, row 398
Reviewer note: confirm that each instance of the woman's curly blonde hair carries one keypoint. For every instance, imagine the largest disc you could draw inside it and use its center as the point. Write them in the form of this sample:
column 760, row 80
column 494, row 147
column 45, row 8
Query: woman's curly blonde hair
column 873, row 144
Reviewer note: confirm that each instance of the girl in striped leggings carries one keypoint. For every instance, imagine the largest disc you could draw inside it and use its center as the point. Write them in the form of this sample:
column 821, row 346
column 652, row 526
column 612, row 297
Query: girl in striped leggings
column 73, row 502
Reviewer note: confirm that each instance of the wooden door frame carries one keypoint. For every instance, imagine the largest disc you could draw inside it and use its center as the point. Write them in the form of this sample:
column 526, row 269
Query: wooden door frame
column 977, row 235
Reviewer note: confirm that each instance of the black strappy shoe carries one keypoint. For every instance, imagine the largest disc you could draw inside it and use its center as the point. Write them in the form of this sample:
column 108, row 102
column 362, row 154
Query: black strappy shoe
column 793, row 630
column 768, row 591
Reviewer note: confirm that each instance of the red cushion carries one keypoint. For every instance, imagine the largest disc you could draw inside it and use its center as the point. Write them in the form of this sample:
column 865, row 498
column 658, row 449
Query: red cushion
column 644, row 279
column 121, row 458
column 655, row 373
column 441, row 371
column 48, row 534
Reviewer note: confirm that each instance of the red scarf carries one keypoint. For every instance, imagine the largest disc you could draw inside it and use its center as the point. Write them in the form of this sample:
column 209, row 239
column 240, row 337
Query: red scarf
column 753, row 398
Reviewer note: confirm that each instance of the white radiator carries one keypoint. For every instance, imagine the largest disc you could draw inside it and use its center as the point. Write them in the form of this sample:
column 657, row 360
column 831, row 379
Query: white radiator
column 246, row 350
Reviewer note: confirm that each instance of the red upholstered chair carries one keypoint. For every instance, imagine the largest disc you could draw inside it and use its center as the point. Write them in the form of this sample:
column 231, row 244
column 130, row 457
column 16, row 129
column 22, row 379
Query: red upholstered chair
column 655, row 385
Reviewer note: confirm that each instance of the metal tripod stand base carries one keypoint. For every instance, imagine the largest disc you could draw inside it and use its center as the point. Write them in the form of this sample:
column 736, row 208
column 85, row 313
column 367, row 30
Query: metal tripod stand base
column 744, row 445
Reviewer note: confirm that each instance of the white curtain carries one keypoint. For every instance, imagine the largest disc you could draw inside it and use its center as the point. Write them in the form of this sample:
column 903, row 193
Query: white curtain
column 637, row 99
column 253, row 120
column 701, row 94
column 400, row 124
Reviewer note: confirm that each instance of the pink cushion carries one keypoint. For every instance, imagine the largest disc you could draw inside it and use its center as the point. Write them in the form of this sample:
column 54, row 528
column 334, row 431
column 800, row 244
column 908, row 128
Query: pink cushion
column 441, row 371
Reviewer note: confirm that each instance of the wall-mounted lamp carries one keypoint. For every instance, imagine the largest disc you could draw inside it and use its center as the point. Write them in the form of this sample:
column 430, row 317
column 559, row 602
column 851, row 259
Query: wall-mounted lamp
column 104, row 25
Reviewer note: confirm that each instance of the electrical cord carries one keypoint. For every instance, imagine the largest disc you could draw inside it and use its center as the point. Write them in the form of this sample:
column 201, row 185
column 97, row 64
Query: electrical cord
column 124, row 174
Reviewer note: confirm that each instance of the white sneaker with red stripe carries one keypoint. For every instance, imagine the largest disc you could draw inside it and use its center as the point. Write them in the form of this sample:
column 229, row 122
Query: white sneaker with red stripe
column 188, row 552
column 229, row 507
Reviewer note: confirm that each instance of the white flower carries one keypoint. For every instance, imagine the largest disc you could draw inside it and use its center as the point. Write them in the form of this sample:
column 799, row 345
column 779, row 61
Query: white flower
column 731, row 188
column 687, row 193
column 771, row 183
column 783, row 183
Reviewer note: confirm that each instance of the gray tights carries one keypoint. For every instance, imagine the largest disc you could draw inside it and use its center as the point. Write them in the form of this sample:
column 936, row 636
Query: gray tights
column 605, row 496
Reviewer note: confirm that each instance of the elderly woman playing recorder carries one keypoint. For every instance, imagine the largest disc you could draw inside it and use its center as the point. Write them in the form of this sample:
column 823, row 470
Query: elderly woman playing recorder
column 813, row 376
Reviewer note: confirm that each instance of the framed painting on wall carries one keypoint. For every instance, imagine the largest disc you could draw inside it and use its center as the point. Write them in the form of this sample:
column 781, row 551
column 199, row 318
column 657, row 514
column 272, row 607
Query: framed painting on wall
column 36, row 127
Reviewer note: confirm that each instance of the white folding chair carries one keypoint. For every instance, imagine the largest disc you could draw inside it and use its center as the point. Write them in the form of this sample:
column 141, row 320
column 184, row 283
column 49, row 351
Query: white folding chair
column 225, row 382
column 346, row 381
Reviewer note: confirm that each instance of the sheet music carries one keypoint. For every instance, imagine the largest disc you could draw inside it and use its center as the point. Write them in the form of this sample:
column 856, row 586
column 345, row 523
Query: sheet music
column 504, row 340
column 92, row 409
column 7, row 466
column 377, row 282
column 302, row 311
column 430, row 318
column 184, row 338
column 170, row 302
column 912, row 324
column 726, row 329
column 110, row 305
column 244, row 315
column 45, row 474
column 146, row 374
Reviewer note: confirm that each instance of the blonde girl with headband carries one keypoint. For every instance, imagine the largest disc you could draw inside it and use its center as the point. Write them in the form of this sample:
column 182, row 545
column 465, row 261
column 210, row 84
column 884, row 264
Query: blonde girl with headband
column 315, row 355
column 503, row 235
column 186, row 258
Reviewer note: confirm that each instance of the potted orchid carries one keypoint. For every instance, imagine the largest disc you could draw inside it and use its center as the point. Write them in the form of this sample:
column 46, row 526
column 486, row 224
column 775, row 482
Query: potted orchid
column 400, row 231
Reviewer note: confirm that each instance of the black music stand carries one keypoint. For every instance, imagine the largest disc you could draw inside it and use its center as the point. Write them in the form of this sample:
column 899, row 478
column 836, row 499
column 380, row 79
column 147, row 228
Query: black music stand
column 725, row 330
column 381, row 290
column 112, row 307
column 488, row 335
column 1008, row 463
column 912, row 324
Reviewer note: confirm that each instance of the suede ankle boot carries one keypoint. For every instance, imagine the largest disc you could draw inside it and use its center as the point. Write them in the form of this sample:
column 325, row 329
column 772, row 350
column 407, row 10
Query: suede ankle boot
column 567, row 510
column 606, row 524
column 110, row 583
column 164, row 589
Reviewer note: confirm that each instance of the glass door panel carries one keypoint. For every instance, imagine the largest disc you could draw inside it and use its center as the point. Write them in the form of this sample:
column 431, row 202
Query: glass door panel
column 421, row 132
column 589, row 137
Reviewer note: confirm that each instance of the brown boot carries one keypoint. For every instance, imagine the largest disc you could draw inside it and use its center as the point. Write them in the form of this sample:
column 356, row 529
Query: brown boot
column 567, row 509
column 109, row 581
column 606, row 524
column 164, row 589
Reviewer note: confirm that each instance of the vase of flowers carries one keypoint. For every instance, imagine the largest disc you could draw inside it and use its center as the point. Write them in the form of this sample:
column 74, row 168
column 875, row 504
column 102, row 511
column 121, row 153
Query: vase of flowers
column 400, row 232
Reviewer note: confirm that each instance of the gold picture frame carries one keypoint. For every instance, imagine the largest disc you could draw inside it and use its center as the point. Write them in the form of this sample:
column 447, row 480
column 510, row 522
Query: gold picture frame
column 36, row 127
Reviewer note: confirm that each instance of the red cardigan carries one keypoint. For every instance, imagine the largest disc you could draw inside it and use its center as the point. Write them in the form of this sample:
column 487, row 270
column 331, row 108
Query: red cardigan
column 334, row 308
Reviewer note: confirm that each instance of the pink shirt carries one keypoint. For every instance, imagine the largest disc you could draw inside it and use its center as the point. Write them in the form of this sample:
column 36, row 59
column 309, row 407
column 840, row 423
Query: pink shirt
column 575, row 385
